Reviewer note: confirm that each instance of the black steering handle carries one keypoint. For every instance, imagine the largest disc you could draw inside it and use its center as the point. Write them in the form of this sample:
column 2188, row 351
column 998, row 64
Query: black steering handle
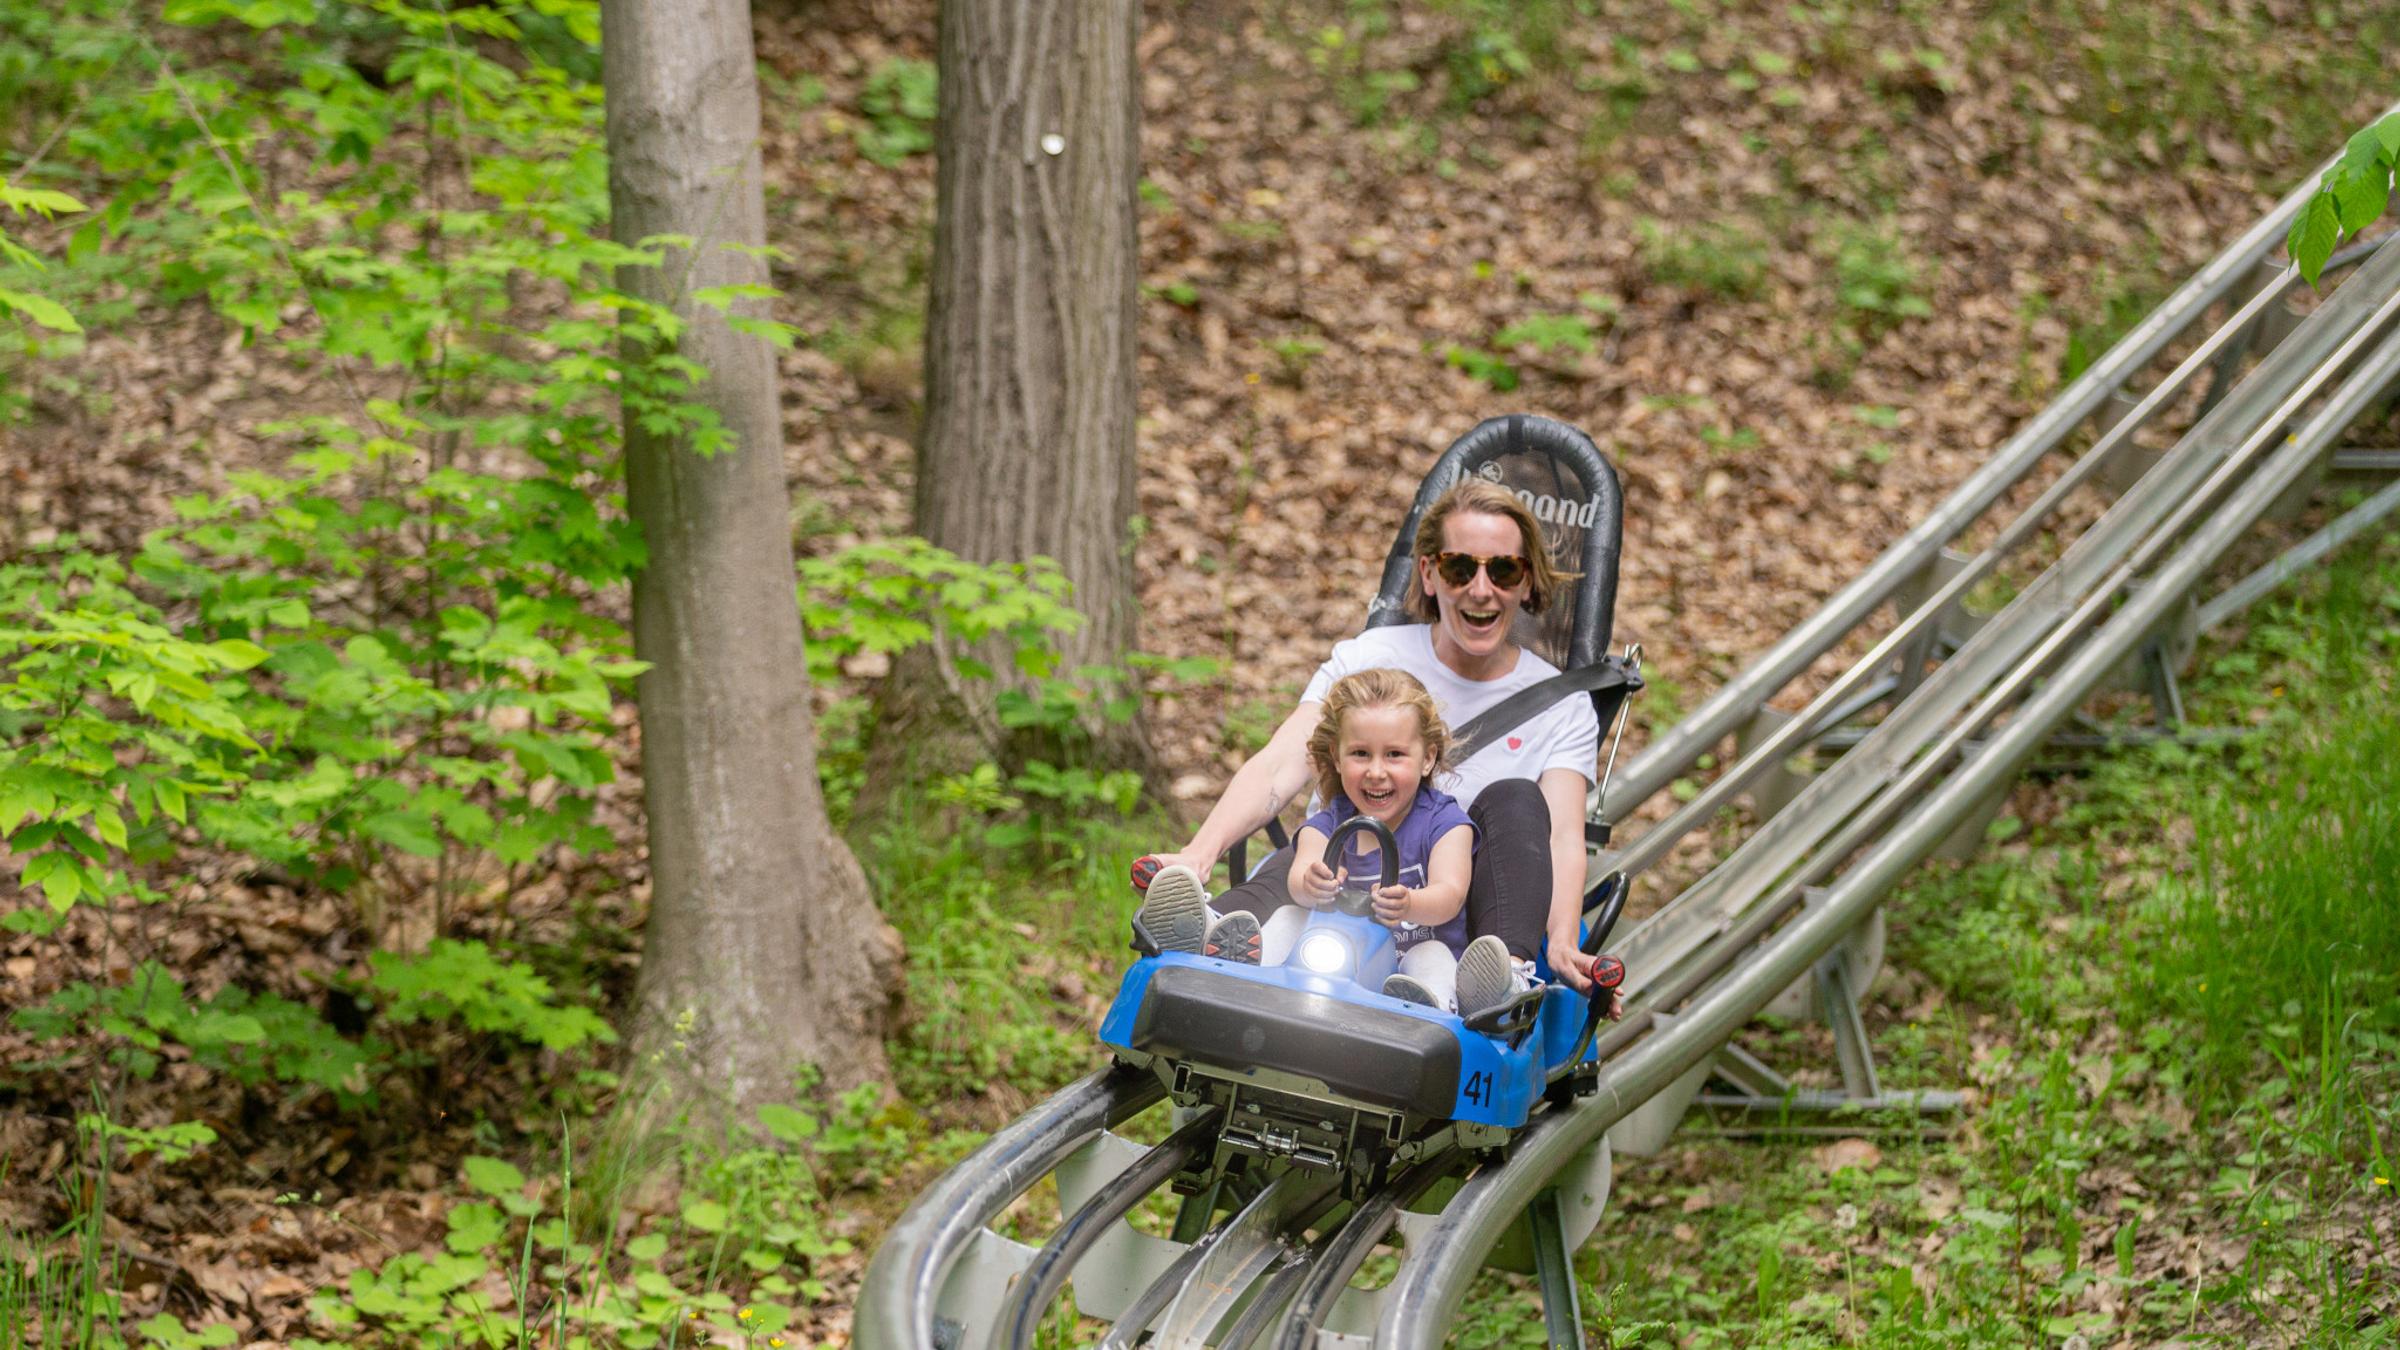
column 1610, row 908
column 1357, row 903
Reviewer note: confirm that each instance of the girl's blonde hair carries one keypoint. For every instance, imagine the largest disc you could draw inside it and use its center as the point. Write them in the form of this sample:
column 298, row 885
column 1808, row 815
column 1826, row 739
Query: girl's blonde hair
column 1474, row 496
column 1382, row 687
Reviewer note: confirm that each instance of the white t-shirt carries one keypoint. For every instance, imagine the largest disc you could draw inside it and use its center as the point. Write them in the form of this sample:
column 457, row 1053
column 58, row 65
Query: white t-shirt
column 1565, row 735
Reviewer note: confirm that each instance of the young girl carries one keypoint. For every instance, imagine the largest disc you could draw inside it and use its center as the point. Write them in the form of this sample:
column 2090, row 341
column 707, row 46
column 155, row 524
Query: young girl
column 1375, row 750
column 1375, row 753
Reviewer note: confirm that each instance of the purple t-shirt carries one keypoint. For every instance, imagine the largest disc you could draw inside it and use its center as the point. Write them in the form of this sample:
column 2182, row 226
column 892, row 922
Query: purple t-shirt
column 1432, row 815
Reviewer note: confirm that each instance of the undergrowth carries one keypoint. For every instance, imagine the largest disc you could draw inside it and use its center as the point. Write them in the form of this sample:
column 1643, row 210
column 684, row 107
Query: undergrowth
column 2173, row 1007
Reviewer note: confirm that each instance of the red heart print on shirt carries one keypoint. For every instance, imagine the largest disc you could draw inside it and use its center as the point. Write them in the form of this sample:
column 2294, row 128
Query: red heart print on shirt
column 1516, row 742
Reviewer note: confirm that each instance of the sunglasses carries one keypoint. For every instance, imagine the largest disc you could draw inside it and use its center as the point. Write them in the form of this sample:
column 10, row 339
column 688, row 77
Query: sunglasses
column 1459, row 568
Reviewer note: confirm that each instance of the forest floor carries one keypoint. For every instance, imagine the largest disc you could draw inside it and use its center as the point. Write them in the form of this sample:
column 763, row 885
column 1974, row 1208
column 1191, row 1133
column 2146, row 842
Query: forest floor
column 1797, row 269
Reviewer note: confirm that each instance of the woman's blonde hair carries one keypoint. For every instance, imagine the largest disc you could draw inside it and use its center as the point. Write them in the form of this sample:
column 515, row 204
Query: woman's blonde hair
column 1382, row 687
column 1475, row 496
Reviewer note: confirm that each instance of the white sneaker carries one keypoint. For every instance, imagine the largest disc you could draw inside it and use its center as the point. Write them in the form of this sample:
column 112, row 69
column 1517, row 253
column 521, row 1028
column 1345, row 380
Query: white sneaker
column 1409, row 989
column 1488, row 976
column 1175, row 910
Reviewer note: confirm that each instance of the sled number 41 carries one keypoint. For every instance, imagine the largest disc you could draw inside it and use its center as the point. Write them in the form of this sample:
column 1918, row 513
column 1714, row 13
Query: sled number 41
column 1479, row 1088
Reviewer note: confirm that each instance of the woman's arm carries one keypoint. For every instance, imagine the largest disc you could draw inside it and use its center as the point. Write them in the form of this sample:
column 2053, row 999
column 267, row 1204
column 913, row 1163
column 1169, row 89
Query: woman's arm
column 1312, row 883
column 1260, row 789
column 1447, row 872
column 1563, row 790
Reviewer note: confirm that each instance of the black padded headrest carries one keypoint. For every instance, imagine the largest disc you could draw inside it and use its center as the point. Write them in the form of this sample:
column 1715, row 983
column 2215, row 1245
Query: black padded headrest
column 1572, row 490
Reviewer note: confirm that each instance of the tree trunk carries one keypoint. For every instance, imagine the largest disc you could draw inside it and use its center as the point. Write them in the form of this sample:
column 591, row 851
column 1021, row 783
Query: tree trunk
column 1029, row 356
column 764, row 948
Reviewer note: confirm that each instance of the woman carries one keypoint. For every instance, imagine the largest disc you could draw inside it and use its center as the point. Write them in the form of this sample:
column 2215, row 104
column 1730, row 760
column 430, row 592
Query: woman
column 1479, row 560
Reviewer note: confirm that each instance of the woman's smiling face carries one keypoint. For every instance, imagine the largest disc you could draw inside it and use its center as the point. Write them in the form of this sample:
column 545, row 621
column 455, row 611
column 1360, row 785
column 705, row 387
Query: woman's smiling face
column 1381, row 755
column 1471, row 633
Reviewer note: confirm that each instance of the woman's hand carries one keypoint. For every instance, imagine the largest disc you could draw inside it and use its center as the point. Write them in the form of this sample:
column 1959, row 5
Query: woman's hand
column 1316, row 884
column 1151, row 864
column 1568, row 963
column 1574, row 970
column 1391, row 905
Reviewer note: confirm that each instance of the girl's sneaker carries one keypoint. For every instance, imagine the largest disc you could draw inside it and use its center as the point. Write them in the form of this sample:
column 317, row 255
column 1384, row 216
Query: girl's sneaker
column 1233, row 938
column 1487, row 976
column 1409, row 989
column 1175, row 910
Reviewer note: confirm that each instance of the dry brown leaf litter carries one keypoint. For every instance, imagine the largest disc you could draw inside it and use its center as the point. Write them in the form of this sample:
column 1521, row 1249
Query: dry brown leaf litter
column 1287, row 222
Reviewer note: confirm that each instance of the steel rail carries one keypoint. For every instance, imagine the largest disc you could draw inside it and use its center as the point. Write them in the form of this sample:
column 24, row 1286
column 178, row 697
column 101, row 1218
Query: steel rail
column 1892, row 798
column 2254, row 587
column 1021, row 1317
column 1713, row 903
column 1722, row 713
column 1330, row 1273
column 1252, row 1243
column 1655, row 842
column 1429, row 1288
column 904, row 1281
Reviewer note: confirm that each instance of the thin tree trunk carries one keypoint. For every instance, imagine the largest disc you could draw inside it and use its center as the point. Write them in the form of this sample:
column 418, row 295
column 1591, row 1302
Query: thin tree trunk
column 764, row 948
column 1029, row 357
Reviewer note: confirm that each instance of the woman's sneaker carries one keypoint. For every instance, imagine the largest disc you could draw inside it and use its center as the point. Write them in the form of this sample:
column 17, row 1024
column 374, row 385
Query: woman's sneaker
column 1233, row 938
column 1410, row 989
column 1488, row 976
column 1175, row 911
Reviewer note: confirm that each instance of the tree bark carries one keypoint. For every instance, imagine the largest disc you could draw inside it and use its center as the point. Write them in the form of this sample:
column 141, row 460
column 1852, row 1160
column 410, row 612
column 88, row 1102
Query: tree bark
column 1028, row 445
column 764, row 948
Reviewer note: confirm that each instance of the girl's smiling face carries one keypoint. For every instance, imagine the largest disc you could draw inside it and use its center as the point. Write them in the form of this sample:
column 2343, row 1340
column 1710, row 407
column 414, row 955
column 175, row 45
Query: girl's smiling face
column 1381, row 756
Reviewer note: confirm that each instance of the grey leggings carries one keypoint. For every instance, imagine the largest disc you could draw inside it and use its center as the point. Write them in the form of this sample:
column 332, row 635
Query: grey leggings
column 1508, row 894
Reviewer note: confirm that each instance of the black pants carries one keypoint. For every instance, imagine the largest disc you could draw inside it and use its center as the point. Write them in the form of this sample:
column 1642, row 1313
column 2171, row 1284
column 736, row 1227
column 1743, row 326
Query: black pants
column 1508, row 893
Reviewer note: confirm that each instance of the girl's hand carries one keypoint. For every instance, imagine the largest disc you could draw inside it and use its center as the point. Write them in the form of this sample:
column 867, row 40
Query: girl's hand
column 1316, row 884
column 1391, row 905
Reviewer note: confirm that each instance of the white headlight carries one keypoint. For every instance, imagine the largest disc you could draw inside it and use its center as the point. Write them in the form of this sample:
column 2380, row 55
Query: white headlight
column 1325, row 953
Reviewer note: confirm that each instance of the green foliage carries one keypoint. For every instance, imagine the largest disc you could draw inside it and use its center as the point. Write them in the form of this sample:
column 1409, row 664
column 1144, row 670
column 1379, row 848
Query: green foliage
column 1548, row 333
column 1293, row 354
column 1504, row 42
column 463, row 982
column 1489, row 367
column 735, row 1263
column 887, row 595
column 39, row 309
column 1723, row 257
column 2348, row 199
column 899, row 103
column 1877, row 282
column 249, row 1037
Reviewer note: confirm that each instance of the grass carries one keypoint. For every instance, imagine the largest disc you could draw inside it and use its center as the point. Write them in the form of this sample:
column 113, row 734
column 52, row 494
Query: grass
column 2175, row 1003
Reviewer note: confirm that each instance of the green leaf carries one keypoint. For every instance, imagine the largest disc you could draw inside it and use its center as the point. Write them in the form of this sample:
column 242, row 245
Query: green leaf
column 706, row 1215
column 2313, row 235
column 493, row 1176
column 785, row 1123
column 407, row 831
column 2359, row 194
column 238, row 654
column 41, row 309
column 474, row 1227
column 647, row 1247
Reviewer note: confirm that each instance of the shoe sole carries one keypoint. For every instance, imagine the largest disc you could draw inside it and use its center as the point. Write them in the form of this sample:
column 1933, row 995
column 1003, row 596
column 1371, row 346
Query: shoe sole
column 1175, row 910
column 1486, row 976
column 1234, row 938
column 1407, row 989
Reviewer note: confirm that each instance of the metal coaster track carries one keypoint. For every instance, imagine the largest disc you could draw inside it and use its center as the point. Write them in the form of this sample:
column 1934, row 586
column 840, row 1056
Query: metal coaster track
column 1790, row 917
